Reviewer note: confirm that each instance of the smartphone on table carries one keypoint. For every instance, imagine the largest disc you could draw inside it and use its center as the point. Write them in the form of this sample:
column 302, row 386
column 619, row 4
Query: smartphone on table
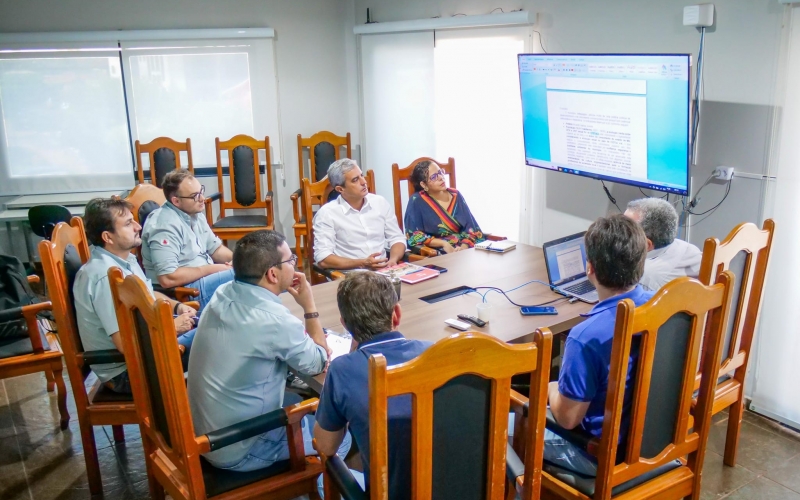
column 436, row 268
column 537, row 310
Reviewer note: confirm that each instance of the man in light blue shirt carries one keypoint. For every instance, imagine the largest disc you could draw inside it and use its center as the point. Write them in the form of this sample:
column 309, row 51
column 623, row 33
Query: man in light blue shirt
column 179, row 249
column 246, row 342
column 113, row 232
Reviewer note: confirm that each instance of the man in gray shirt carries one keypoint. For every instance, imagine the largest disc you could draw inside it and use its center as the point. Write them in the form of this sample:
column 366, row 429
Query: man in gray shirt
column 111, row 230
column 667, row 257
column 179, row 248
column 245, row 344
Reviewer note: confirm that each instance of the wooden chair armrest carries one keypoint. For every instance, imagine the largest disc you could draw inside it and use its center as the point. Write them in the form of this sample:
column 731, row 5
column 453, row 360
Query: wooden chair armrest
column 245, row 429
column 193, row 304
column 514, row 467
column 296, row 412
column 296, row 209
column 212, row 198
column 209, row 209
column 179, row 293
column 33, row 278
column 519, row 401
column 28, row 313
column 331, row 274
column 100, row 357
column 268, row 197
column 494, row 237
column 342, row 480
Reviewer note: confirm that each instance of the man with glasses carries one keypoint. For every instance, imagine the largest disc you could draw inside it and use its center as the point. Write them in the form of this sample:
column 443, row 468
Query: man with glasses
column 245, row 344
column 178, row 247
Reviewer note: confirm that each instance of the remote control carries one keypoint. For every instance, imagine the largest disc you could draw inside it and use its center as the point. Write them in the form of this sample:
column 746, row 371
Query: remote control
column 472, row 319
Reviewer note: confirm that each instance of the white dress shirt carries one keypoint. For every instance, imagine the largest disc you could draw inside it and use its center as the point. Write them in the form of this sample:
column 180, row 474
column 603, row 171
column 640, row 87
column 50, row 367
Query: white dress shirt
column 341, row 230
column 664, row 264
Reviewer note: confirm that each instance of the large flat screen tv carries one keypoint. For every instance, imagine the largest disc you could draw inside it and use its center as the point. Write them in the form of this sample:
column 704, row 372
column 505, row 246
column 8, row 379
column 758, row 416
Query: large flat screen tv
column 616, row 117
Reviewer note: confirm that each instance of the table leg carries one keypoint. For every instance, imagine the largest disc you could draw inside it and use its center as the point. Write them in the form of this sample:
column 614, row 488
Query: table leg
column 24, row 226
column 10, row 239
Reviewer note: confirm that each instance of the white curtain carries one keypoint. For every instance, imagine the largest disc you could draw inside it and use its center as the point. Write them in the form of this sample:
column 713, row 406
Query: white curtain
column 775, row 390
column 63, row 126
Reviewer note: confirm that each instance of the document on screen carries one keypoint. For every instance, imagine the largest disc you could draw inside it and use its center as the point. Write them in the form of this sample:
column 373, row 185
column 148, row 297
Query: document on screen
column 604, row 133
column 570, row 262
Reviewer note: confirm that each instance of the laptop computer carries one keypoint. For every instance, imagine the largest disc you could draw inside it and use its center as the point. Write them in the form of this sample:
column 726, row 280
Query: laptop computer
column 565, row 260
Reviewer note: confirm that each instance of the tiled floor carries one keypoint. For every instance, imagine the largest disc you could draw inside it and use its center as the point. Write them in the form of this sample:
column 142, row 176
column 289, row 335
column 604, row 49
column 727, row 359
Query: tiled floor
column 40, row 462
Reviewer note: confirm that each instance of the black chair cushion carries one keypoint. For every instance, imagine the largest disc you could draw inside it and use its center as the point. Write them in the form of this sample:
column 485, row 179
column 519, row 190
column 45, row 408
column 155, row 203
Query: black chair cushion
column 43, row 219
column 586, row 484
column 106, row 395
column 17, row 346
column 241, row 221
column 219, row 481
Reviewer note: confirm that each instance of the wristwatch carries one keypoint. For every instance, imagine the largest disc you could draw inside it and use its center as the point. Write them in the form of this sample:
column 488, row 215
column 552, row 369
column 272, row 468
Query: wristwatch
column 311, row 315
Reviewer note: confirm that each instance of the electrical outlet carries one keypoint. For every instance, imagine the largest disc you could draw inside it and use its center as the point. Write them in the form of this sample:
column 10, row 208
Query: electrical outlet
column 723, row 173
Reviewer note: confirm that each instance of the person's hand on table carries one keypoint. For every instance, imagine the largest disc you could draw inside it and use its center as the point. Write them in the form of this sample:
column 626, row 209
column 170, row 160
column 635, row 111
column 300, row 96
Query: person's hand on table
column 448, row 248
column 375, row 261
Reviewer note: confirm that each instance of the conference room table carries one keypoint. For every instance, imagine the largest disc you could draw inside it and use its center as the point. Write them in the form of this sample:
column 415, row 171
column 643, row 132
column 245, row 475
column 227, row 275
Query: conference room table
column 473, row 268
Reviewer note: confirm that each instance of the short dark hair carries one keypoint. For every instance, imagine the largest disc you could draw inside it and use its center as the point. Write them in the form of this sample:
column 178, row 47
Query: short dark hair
column 366, row 301
column 255, row 254
column 616, row 247
column 172, row 182
column 99, row 216
column 420, row 174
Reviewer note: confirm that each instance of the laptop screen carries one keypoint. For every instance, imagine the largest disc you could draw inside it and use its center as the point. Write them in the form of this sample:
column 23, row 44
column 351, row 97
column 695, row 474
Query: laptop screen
column 566, row 261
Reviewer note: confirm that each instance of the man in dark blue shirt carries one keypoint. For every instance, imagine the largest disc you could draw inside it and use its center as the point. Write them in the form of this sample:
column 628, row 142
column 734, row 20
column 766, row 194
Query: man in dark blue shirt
column 616, row 249
column 370, row 312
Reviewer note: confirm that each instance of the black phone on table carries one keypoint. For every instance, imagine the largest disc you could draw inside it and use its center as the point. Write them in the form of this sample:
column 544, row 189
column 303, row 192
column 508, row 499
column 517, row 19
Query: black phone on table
column 436, row 268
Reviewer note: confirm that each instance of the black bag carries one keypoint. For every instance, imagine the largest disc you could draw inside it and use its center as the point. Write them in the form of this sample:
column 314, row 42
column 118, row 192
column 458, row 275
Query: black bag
column 14, row 292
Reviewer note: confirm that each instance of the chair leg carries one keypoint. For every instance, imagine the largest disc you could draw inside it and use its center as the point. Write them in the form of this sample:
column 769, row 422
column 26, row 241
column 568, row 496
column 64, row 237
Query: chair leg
column 298, row 250
column 735, row 413
column 156, row 489
column 51, row 381
column 90, row 456
column 119, row 433
column 61, row 396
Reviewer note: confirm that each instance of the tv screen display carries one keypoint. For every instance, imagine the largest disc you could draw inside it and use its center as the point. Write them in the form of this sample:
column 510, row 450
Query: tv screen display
column 616, row 117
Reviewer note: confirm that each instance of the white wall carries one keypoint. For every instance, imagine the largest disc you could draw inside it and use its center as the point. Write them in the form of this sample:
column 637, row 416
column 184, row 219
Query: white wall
column 741, row 61
column 310, row 43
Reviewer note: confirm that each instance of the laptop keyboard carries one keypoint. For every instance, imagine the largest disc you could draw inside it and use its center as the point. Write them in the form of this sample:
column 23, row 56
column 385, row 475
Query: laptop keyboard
column 581, row 288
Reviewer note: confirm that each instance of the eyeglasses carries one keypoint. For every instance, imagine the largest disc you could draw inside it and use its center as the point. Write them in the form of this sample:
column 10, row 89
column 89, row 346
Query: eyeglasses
column 195, row 196
column 438, row 175
column 292, row 259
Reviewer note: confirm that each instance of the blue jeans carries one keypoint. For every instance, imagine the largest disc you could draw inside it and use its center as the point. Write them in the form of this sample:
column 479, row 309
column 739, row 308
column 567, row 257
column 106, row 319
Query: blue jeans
column 272, row 446
column 209, row 284
column 561, row 453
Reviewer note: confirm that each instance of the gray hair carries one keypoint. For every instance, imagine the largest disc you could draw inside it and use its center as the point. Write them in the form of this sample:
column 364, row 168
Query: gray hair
column 658, row 218
column 337, row 170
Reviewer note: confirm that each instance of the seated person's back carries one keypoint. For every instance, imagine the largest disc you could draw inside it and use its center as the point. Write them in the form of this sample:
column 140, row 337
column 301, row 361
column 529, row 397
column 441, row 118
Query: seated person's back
column 179, row 248
column 113, row 233
column 616, row 250
column 354, row 230
column 246, row 342
column 369, row 310
column 668, row 257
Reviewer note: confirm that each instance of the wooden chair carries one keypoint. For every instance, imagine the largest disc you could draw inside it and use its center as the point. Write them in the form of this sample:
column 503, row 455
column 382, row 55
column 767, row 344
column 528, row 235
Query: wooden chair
column 172, row 450
column 165, row 155
column 32, row 350
column 461, row 388
column 314, row 196
column 62, row 256
column 745, row 252
column 651, row 462
column 145, row 198
column 324, row 148
column 400, row 175
column 245, row 181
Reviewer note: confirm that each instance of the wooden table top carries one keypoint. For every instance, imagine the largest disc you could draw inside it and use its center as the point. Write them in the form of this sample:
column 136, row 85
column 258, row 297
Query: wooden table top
column 474, row 268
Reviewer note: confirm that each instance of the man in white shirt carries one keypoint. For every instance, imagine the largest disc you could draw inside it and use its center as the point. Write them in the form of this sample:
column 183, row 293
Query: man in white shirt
column 667, row 257
column 353, row 231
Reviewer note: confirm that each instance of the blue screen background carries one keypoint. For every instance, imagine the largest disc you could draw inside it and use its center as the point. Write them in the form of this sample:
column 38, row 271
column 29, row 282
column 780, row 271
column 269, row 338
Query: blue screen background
column 667, row 125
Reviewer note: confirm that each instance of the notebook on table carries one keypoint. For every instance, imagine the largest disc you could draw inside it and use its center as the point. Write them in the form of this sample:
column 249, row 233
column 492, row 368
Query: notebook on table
column 409, row 273
column 496, row 246
column 565, row 260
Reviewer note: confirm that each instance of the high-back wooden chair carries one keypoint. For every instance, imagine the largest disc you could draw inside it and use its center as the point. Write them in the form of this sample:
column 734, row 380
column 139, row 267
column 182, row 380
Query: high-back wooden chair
column 315, row 194
column 164, row 155
column 245, row 184
column 664, row 336
column 62, row 257
column 745, row 252
column 324, row 148
column 400, row 175
column 172, row 450
column 460, row 388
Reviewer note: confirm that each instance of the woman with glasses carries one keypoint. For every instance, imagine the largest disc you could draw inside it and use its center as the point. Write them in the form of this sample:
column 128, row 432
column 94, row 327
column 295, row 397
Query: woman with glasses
column 438, row 216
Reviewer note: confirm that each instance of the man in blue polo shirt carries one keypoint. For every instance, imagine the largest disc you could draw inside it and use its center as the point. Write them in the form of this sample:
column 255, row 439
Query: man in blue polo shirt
column 616, row 249
column 370, row 312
